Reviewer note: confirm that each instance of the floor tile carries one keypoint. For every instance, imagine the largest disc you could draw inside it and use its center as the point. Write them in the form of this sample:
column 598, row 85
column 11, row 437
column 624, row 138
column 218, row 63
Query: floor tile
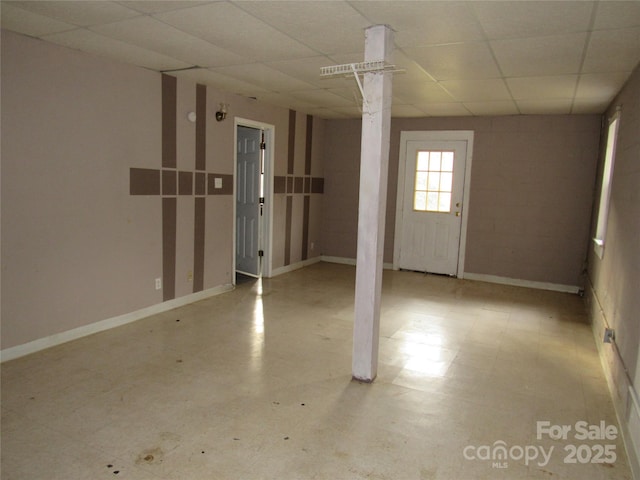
column 256, row 384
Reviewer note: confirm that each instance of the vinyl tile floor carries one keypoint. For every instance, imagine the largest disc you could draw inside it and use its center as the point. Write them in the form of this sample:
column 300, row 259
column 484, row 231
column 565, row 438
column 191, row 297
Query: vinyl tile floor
column 256, row 384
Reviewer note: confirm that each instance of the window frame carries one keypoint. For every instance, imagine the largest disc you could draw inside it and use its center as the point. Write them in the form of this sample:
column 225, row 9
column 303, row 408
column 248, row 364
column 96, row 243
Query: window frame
column 613, row 127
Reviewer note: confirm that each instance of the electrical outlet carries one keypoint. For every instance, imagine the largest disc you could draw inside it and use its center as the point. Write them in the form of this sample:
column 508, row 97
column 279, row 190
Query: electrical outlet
column 189, row 276
column 158, row 283
column 313, row 245
column 609, row 335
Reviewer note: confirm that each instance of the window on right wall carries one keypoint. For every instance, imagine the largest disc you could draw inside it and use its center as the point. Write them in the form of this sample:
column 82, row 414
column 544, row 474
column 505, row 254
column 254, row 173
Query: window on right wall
column 605, row 191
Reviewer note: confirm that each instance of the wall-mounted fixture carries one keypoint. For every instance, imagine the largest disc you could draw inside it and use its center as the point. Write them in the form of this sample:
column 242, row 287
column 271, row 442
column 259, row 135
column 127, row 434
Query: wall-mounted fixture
column 609, row 335
column 221, row 114
column 191, row 116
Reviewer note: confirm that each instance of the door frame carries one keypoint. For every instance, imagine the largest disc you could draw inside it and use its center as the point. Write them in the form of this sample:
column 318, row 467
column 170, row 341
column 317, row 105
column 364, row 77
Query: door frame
column 266, row 224
column 433, row 136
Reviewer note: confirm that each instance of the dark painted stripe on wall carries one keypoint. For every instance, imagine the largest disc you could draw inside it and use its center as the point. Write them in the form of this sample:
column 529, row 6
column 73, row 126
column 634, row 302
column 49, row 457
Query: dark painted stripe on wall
column 317, row 185
column 169, row 214
column 227, row 184
column 298, row 184
column 200, row 202
column 287, row 233
column 201, row 127
column 169, row 182
column 185, row 183
column 169, row 99
column 198, row 245
column 305, row 227
column 307, row 148
column 201, row 183
column 279, row 184
column 292, row 141
column 144, row 181
column 169, row 186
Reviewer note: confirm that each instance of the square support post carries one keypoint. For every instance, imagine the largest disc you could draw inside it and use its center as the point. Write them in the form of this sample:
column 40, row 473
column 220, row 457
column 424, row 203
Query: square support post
column 374, row 163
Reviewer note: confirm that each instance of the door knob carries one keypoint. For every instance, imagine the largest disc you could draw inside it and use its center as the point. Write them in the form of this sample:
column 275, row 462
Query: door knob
column 457, row 214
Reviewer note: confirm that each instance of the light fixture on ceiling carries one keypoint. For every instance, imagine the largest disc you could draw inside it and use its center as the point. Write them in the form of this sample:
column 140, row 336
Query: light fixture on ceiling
column 221, row 114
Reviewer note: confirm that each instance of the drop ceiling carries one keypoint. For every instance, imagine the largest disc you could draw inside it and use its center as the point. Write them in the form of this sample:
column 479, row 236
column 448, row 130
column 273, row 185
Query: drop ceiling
column 459, row 58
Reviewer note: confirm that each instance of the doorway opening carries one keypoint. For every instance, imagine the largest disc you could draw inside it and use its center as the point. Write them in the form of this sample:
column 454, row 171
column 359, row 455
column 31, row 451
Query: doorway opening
column 253, row 206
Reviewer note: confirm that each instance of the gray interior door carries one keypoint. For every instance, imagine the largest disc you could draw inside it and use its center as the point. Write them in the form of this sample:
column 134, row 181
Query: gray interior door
column 248, row 201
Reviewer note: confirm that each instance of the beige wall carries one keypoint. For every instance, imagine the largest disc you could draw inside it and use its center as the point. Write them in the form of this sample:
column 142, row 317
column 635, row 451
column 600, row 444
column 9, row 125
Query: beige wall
column 77, row 247
column 614, row 280
column 530, row 200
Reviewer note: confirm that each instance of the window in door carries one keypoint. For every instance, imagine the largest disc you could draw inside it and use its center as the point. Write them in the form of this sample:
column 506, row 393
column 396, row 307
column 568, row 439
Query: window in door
column 434, row 181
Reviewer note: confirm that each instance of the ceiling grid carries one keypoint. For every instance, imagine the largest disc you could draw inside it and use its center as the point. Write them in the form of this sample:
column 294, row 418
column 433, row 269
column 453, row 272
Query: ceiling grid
column 460, row 58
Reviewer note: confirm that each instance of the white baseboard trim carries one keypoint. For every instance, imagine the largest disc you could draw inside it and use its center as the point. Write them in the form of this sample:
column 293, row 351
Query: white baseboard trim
column 340, row 260
column 294, row 266
column 516, row 282
column 102, row 325
column 349, row 261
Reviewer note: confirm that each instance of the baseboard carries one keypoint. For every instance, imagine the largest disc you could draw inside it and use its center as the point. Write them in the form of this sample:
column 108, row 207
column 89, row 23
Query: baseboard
column 102, row 325
column 623, row 394
column 294, row 266
column 556, row 287
column 349, row 261
column 477, row 276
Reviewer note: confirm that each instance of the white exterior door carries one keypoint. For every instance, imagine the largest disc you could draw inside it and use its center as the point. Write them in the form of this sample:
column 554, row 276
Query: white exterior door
column 248, row 206
column 432, row 206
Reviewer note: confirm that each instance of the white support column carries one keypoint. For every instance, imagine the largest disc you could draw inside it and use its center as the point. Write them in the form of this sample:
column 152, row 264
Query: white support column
column 374, row 163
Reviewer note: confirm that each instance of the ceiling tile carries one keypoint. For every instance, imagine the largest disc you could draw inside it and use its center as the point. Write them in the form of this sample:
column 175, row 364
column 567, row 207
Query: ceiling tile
column 424, row 23
column 472, row 90
column 406, row 111
column 231, row 28
column 411, row 71
column 422, row 92
column 613, row 51
column 265, row 77
column 504, row 107
column 551, row 55
column 600, row 86
column 342, row 28
column 536, row 107
column 154, row 35
column 153, row 6
column 322, row 97
column 448, row 109
column 284, row 100
column 462, row 60
column 222, row 82
column 532, row 18
column 351, row 93
column 349, row 112
column 540, row 53
column 561, row 86
column 29, row 23
column 308, row 70
column 342, row 58
column 617, row 14
column 80, row 13
column 590, row 106
column 100, row 45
